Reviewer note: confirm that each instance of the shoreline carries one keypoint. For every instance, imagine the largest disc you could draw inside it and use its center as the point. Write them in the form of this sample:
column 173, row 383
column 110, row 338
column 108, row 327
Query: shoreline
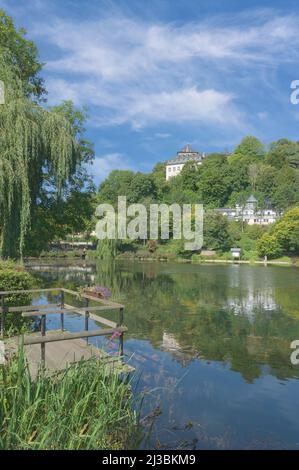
column 52, row 260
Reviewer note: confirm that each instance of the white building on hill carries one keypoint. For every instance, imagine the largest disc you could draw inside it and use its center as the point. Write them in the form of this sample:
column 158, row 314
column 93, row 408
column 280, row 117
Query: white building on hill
column 176, row 164
column 250, row 213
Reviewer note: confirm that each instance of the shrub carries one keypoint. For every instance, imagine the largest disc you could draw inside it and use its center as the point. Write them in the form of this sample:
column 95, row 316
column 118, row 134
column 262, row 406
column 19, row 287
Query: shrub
column 269, row 246
column 227, row 256
column 13, row 277
column 250, row 255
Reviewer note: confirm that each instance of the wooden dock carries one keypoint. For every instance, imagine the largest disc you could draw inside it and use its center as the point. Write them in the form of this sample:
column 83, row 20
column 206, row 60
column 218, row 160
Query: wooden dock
column 56, row 350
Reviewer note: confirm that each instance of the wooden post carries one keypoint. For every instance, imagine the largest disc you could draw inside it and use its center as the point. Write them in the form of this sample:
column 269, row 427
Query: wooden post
column 86, row 317
column 62, row 314
column 2, row 317
column 121, row 338
column 43, row 345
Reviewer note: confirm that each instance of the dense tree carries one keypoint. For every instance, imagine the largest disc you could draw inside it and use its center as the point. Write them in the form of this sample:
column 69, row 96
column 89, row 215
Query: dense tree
column 21, row 55
column 214, row 169
column 55, row 215
column 254, row 170
column 286, row 231
column 283, row 152
column 158, row 178
column 285, row 190
column 269, row 246
column 239, row 177
column 284, row 236
column 141, row 187
column 116, row 184
column 33, row 140
column 250, row 148
column 216, row 232
column 43, row 153
column 266, row 180
column 190, row 176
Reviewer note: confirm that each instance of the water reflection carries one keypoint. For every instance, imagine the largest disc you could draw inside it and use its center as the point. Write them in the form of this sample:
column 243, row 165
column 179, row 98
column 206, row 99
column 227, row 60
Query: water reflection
column 214, row 343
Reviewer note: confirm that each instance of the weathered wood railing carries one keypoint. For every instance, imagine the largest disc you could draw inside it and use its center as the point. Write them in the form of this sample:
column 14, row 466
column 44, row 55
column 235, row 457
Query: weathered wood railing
column 63, row 308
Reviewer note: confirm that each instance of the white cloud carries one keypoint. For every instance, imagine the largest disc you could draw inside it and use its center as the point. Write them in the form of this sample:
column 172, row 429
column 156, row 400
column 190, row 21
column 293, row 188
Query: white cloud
column 181, row 106
column 162, row 135
column 142, row 109
column 121, row 48
column 146, row 73
column 262, row 115
column 102, row 165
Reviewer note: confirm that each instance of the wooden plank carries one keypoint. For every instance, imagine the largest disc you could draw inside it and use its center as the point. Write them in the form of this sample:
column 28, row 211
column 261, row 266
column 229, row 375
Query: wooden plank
column 81, row 310
column 29, row 291
column 69, row 336
column 103, row 320
column 26, row 308
column 107, row 302
column 97, row 318
column 60, row 355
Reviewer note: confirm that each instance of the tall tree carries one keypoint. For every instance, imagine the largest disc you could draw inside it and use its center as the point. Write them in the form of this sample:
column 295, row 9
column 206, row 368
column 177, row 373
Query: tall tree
column 116, row 184
column 216, row 232
column 283, row 152
column 250, row 148
column 32, row 140
column 214, row 169
column 22, row 56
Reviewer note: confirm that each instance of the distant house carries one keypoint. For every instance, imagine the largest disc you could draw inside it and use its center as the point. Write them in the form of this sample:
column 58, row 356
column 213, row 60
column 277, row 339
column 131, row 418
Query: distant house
column 176, row 164
column 250, row 213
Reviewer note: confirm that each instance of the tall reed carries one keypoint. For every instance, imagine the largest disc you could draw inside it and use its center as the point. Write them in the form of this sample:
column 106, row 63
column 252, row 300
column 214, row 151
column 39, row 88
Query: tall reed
column 83, row 407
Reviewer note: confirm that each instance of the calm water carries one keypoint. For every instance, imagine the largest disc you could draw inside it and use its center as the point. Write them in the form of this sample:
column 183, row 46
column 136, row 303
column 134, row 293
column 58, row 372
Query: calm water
column 211, row 345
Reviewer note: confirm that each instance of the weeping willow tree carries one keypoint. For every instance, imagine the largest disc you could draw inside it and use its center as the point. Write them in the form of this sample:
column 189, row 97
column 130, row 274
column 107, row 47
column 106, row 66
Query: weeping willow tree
column 36, row 145
column 107, row 249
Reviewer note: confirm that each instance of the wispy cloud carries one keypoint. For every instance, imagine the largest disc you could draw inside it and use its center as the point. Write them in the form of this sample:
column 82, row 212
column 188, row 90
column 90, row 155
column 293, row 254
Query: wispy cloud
column 103, row 164
column 145, row 73
column 162, row 135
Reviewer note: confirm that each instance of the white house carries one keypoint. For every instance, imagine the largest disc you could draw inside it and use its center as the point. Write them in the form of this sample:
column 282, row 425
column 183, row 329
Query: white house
column 250, row 213
column 176, row 164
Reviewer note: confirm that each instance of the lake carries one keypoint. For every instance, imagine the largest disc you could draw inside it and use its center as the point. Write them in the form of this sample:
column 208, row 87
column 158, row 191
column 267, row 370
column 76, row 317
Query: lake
column 211, row 345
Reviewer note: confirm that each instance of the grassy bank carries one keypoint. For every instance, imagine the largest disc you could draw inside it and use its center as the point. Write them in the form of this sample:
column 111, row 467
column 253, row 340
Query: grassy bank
column 170, row 257
column 81, row 408
column 224, row 258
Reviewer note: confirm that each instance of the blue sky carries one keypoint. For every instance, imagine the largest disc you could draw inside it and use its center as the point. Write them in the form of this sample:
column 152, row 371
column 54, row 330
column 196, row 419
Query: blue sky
column 157, row 74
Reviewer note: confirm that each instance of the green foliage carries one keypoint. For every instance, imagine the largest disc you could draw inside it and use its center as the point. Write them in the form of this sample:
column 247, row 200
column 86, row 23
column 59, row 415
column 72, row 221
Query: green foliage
column 43, row 152
column 116, row 184
column 141, row 187
column 82, row 408
column 32, row 139
column 267, row 180
column 216, row 232
column 158, row 178
column 283, row 238
column 107, row 249
column 21, row 55
column 13, row 277
column 283, row 152
column 250, row 255
column 269, row 246
column 250, row 149
column 216, row 169
column 285, row 191
column 286, row 231
column 190, row 176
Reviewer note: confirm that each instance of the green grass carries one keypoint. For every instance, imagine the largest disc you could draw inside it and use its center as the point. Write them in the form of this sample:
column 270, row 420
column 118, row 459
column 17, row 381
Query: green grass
column 81, row 408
